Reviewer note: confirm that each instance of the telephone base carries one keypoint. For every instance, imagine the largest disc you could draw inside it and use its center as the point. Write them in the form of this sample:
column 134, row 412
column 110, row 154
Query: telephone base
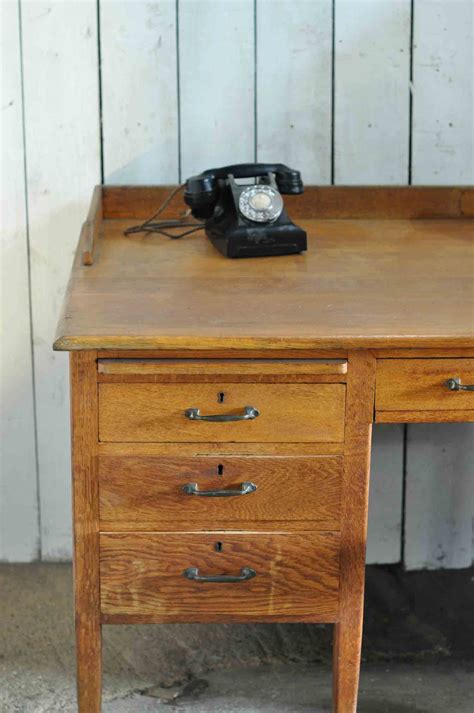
column 260, row 242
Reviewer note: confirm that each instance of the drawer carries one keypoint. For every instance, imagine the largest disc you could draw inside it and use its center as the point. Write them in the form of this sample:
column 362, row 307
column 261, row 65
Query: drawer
column 277, row 577
column 146, row 493
column 224, row 370
column 421, row 386
column 288, row 413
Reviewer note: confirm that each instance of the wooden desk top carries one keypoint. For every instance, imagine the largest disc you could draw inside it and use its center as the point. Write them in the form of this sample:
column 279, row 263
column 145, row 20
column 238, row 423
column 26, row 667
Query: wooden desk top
column 380, row 282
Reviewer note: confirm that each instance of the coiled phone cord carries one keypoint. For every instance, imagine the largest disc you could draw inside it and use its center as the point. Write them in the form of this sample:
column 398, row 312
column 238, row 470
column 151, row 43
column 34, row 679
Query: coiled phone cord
column 150, row 226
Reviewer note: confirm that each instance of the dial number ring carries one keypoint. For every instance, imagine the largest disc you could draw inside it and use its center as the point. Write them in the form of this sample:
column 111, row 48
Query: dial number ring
column 261, row 204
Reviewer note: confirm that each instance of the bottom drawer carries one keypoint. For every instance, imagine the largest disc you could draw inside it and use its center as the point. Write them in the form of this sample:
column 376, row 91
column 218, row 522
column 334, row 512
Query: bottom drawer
column 274, row 577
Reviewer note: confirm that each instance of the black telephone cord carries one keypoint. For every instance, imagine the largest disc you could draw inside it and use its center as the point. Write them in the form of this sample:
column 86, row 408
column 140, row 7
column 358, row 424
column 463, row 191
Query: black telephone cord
column 160, row 227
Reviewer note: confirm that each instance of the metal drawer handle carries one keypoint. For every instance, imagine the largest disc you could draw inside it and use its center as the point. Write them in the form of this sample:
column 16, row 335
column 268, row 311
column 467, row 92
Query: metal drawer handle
column 249, row 413
column 245, row 489
column 193, row 573
column 454, row 384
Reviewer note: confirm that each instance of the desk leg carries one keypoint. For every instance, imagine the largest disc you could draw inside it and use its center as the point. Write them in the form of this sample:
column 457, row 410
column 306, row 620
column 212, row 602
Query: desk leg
column 86, row 530
column 346, row 667
column 355, row 492
column 88, row 664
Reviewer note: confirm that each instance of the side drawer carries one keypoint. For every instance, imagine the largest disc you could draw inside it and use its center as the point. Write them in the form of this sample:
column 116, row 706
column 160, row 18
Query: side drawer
column 166, row 493
column 419, row 390
column 283, row 577
column 288, row 413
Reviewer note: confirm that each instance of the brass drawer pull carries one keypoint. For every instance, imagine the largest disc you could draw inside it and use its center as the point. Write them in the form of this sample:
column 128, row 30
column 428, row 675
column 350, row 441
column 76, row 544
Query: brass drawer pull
column 245, row 573
column 245, row 489
column 454, row 384
column 249, row 413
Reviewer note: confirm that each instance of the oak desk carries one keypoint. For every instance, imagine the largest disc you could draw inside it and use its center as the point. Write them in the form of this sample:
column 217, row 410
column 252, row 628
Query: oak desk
column 374, row 322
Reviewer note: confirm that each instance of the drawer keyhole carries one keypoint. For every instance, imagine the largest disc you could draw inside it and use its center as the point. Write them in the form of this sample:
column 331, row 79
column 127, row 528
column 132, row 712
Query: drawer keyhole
column 220, row 397
column 218, row 546
column 220, row 469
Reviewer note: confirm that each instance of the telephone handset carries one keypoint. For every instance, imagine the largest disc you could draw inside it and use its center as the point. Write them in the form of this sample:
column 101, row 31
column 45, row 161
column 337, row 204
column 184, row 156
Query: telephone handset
column 245, row 220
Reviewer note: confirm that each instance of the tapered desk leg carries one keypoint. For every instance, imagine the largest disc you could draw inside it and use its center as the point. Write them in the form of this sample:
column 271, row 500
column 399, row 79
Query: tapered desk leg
column 86, row 530
column 88, row 666
column 346, row 666
column 355, row 491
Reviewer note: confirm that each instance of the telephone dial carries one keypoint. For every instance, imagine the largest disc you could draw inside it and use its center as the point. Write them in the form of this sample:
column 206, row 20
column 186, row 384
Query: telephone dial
column 247, row 220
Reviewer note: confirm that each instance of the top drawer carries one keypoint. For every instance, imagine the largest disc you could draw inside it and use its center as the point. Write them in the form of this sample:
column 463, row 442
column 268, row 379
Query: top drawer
column 223, row 370
column 426, row 387
column 287, row 413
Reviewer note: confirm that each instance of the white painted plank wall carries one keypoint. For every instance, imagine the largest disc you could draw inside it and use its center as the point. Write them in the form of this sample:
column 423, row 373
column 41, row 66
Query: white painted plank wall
column 439, row 496
column 443, row 100
column 63, row 160
column 294, row 86
column 384, row 538
column 19, row 533
column 195, row 83
column 216, row 82
column 139, row 91
column 440, row 458
column 371, row 111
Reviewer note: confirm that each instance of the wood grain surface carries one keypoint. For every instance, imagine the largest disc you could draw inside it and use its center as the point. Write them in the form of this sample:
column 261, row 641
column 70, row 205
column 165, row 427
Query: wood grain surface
column 142, row 577
column 413, row 416
column 229, row 370
column 146, row 493
column 155, row 412
column 91, row 228
column 224, row 353
column 354, row 510
column 219, row 449
column 420, row 353
column 355, row 202
column 362, row 283
column 86, row 531
column 420, row 385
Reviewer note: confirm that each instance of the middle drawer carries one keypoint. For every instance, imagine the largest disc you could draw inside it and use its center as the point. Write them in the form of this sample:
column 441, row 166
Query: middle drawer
column 234, row 492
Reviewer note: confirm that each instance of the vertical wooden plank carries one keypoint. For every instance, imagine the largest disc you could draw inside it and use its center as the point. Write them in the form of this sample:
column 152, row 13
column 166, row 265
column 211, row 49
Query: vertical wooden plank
column 384, row 543
column 62, row 143
column 443, row 92
column 84, row 416
column 439, row 496
column 19, row 533
column 354, row 499
column 216, row 56
column 439, row 491
column 372, row 69
column 294, row 78
column 139, row 91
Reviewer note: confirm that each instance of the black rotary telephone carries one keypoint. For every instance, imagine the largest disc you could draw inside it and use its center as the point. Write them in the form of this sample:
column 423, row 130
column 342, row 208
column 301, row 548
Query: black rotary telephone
column 247, row 220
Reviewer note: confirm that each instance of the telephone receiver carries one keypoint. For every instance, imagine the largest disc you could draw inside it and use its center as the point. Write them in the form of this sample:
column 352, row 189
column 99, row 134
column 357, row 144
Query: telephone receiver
column 245, row 220
column 202, row 191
